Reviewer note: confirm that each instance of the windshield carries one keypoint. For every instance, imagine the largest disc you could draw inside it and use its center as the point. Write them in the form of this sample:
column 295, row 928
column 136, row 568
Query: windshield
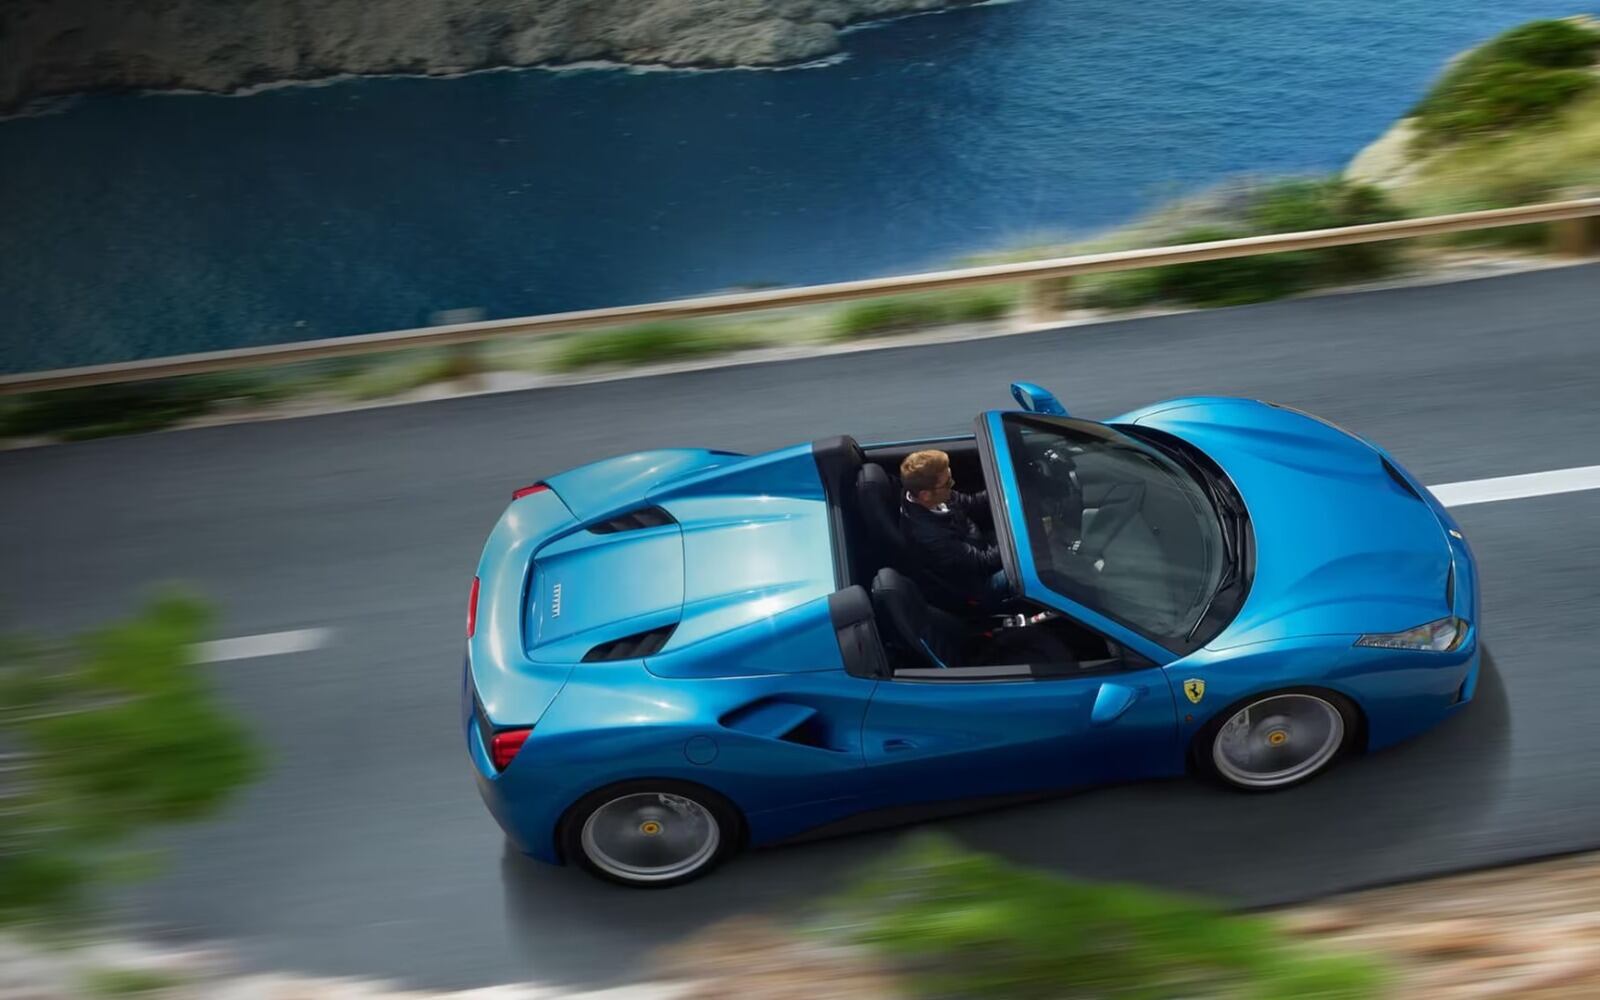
column 1116, row 525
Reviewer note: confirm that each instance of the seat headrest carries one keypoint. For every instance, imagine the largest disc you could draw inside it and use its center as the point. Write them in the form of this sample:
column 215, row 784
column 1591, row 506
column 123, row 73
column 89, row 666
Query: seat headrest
column 875, row 488
column 879, row 508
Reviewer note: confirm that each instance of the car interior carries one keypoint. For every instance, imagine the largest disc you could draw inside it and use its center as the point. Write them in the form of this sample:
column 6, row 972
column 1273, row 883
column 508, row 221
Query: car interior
column 897, row 618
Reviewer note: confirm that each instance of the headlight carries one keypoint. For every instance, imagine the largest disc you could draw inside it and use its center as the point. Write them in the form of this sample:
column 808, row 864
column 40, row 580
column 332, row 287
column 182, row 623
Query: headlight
column 1440, row 637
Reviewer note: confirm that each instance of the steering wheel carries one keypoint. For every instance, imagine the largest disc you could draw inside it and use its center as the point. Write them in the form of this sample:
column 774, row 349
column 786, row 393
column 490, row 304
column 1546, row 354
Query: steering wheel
column 1055, row 477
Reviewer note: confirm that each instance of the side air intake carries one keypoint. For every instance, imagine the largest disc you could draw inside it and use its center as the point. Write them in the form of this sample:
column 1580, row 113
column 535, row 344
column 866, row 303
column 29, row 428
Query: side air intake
column 1399, row 479
column 633, row 520
column 630, row 647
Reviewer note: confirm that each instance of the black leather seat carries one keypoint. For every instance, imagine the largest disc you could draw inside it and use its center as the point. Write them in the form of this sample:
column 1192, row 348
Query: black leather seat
column 917, row 633
column 914, row 629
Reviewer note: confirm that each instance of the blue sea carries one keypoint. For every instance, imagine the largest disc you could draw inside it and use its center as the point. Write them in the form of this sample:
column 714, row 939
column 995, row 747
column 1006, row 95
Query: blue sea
column 142, row 225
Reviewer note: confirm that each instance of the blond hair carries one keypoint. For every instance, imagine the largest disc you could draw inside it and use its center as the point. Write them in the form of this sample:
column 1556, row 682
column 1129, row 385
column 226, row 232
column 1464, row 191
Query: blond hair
column 922, row 470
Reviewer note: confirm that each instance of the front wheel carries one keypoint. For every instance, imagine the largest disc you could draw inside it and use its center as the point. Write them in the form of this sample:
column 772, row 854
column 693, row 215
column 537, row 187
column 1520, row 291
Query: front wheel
column 1277, row 740
column 650, row 834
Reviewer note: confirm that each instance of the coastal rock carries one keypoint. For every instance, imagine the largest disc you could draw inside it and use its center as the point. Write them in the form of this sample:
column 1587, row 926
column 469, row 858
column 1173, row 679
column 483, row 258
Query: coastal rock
column 53, row 47
column 1388, row 162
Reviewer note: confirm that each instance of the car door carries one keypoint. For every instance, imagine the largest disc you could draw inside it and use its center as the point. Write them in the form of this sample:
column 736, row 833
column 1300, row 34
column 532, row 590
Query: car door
column 970, row 732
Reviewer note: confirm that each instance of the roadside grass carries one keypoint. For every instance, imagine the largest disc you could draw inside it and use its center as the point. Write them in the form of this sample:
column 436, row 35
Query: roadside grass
column 1523, row 76
column 954, row 923
column 1560, row 158
column 113, row 983
column 647, row 343
column 903, row 313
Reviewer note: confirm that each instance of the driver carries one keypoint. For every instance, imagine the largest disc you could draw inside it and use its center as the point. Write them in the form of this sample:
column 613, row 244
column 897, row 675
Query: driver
column 942, row 527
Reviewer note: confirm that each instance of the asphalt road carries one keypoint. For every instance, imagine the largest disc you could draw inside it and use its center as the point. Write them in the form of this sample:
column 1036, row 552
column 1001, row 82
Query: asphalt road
column 366, row 850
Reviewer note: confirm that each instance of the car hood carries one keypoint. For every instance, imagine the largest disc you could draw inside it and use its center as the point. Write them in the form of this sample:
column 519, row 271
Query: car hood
column 1342, row 545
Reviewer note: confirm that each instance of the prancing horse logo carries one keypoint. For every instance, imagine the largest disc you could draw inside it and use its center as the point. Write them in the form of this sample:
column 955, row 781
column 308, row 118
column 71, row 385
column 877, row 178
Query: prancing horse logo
column 1195, row 688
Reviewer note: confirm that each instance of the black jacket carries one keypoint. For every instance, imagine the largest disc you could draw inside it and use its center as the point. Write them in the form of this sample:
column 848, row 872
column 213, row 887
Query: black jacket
column 949, row 544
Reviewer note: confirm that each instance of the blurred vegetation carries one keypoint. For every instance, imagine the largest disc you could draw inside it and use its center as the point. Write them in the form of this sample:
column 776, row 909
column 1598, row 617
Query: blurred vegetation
column 1285, row 206
column 960, row 924
column 101, row 737
column 879, row 317
column 130, row 982
column 646, row 343
column 1523, row 76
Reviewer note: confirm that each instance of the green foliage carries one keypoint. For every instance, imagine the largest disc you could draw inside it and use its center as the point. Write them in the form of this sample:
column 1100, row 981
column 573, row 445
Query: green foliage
column 1229, row 282
column 1301, row 206
column 1523, row 76
column 131, row 408
column 106, row 735
column 901, row 314
column 1283, row 207
column 130, row 982
column 964, row 924
column 646, row 343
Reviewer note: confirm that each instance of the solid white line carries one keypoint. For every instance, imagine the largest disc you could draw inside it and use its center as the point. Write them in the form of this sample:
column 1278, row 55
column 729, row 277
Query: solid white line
column 1534, row 484
column 269, row 644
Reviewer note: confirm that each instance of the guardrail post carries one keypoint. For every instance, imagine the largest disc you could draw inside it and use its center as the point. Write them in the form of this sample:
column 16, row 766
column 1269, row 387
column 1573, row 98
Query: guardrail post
column 1576, row 237
column 1047, row 299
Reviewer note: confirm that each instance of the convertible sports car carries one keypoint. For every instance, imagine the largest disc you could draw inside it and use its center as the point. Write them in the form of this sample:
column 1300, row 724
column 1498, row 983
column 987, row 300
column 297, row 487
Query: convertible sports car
column 675, row 653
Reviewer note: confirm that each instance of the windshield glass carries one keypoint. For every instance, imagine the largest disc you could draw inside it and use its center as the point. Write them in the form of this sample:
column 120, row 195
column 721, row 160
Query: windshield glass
column 1116, row 525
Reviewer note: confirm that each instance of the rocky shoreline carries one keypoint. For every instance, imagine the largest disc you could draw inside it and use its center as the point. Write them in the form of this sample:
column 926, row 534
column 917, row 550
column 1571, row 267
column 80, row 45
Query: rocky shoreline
column 51, row 48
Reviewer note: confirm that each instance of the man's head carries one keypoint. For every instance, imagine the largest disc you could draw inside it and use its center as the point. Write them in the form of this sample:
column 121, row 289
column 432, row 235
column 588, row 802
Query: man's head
column 927, row 478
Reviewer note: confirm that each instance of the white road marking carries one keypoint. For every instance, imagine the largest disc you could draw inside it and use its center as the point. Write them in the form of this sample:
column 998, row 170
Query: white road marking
column 1534, row 484
column 248, row 647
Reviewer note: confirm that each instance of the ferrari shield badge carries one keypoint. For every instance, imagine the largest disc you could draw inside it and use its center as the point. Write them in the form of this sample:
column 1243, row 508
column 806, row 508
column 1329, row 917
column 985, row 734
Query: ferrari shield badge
column 1195, row 688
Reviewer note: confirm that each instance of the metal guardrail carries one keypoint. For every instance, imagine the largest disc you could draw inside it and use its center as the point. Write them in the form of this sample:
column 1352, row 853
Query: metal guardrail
column 1578, row 233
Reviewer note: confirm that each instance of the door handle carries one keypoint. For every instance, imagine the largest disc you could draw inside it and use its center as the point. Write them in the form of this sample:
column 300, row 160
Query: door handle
column 893, row 745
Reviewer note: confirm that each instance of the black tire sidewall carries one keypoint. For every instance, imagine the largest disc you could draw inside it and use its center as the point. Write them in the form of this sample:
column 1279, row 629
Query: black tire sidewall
column 1200, row 749
column 730, row 827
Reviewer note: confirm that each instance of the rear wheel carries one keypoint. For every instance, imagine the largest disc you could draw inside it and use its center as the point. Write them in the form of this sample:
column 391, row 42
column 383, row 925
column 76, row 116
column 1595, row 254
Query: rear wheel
column 1277, row 740
column 650, row 834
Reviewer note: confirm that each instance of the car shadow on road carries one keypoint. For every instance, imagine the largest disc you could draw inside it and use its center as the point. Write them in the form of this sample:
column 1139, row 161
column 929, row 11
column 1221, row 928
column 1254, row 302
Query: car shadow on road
column 1401, row 813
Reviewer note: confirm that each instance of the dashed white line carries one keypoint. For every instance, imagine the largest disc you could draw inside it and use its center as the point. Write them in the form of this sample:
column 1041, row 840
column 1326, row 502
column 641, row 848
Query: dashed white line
column 1534, row 484
column 247, row 647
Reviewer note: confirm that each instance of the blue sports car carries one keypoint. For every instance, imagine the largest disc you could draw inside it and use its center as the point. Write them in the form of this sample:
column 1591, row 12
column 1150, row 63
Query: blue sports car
column 677, row 653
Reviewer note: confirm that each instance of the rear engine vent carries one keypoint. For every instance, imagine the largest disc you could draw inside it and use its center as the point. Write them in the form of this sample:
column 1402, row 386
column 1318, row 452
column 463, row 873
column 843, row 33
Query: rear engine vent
column 630, row 647
column 633, row 520
column 1399, row 479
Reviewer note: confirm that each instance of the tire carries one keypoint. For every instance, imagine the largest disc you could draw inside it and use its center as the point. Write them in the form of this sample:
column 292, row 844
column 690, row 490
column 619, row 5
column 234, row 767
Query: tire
column 650, row 834
column 1277, row 739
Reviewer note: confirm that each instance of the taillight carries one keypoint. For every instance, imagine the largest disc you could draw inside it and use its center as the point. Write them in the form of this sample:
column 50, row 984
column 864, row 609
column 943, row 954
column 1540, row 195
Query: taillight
column 504, row 746
column 529, row 491
column 472, row 609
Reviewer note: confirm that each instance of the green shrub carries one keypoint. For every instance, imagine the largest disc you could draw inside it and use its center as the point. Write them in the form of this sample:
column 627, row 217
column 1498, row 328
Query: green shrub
column 133, row 407
column 878, row 317
column 112, row 983
column 980, row 306
column 110, row 733
column 646, row 343
column 1525, row 75
column 1231, row 281
column 1301, row 206
column 966, row 924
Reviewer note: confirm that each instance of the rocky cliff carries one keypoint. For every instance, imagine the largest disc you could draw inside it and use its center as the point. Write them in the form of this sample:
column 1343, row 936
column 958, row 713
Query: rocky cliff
column 50, row 47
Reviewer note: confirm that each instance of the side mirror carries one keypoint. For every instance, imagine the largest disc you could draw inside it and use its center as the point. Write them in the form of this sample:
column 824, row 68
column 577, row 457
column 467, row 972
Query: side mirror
column 1036, row 399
